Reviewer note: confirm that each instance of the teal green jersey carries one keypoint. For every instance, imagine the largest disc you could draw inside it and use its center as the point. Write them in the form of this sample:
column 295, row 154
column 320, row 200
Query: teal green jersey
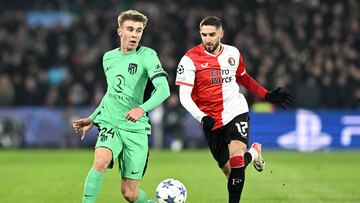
column 133, row 79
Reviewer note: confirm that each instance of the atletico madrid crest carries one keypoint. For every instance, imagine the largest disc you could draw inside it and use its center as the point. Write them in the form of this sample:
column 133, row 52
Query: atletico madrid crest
column 132, row 68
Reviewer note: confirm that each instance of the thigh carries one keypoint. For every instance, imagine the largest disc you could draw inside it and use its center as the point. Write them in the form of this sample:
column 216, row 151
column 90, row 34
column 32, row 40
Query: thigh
column 238, row 129
column 236, row 148
column 102, row 158
column 108, row 137
column 217, row 145
column 134, row 156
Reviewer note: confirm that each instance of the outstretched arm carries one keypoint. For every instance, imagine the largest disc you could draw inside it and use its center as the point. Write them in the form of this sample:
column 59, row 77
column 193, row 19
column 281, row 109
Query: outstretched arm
column 188, row 103
column 206, row 121
column 98, row 109
column 250, row 84
column 279, row 97
column 276, row 96
column 84, row 125
column 160, row 93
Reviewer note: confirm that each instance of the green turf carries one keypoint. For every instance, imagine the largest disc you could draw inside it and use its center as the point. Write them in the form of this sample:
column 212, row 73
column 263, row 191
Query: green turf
column 35, row 176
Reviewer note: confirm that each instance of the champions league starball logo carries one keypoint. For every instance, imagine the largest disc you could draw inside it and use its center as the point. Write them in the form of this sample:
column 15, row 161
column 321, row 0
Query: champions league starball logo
column 180, row 69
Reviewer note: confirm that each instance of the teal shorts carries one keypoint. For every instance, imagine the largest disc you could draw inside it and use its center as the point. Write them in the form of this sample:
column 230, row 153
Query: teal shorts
column 130, row 148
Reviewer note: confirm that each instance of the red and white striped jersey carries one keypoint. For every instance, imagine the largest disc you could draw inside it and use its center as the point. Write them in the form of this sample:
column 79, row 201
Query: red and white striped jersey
column 213, row 78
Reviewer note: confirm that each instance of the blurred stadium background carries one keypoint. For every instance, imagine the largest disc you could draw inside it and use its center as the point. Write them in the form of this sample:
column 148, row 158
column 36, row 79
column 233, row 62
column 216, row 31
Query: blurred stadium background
column 51, row 73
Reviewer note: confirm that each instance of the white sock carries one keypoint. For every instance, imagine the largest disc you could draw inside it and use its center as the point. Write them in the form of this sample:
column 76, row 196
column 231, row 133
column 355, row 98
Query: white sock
column 254, row 154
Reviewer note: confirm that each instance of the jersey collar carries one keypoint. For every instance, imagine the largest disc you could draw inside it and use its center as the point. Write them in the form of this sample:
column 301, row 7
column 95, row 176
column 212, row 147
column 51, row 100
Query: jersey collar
column 130, row 52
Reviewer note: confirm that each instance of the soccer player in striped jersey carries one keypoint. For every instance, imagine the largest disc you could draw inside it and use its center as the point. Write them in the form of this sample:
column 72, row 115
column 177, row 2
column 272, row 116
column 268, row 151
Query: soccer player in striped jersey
column 136, row 83
column 209, row 76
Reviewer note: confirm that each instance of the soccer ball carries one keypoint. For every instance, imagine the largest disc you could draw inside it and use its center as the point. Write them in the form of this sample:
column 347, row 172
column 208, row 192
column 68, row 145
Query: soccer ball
column 171, row 191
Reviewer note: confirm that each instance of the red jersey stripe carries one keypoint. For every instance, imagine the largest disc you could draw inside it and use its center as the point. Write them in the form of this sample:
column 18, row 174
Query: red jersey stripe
column 183, row 83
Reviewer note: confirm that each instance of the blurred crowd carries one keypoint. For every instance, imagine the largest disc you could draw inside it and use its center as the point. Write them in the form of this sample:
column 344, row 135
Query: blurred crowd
column 311, row 48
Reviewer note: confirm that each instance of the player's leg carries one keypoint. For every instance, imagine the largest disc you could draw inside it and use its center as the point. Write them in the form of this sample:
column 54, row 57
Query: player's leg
column 219, row 149
column 131, row 192
column 259, row 161
column 94, row 179
column 236, row 178
column 226, row 169
column 133, row 162
column 237, row 136
column 254, row 154
column 107, row 147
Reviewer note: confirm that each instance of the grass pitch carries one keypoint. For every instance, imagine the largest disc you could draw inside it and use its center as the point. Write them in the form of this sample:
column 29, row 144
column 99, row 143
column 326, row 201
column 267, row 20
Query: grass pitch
column 36, row 176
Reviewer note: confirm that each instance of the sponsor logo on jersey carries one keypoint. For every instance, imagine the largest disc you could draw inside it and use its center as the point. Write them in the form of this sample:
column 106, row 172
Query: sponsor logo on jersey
column 119, row 83
column 219, row 72
column 215, row 81
column 220, row 76
column 231, row 61
column 124, row 98
column 132, row 68
column 204, row 65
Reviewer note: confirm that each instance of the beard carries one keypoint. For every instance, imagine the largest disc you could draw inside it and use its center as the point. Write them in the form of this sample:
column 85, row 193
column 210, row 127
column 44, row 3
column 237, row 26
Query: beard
column 213, row 48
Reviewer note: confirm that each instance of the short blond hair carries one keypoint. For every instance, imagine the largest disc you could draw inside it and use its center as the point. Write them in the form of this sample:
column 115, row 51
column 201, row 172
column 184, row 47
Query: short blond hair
column 132, row 15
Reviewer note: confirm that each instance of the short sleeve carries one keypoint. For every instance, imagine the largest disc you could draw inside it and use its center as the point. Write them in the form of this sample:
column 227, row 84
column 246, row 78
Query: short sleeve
column 153, row 66
column 185, row 72
column 241, row 70
column 105, row 62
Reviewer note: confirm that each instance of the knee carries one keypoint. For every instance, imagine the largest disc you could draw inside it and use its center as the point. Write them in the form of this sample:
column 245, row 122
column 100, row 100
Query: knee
column 101, row 163
column 237, row 148
column 129, row 195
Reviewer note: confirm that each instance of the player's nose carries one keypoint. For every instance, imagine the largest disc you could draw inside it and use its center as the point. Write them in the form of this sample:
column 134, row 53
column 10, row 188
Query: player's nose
column 133, row 35
column 207, row 40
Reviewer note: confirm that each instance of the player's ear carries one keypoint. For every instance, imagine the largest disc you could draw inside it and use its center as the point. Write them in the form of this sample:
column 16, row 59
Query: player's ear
column 119, row 31
column 221, row 33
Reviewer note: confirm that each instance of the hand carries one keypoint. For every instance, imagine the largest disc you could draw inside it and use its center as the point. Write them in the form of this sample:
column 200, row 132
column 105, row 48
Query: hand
column 281, row 98
column 207, row 122
column 84, row 125
column 134, row 114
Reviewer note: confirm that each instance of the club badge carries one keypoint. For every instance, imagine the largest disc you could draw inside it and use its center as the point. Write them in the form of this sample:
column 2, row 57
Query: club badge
column 231, row 61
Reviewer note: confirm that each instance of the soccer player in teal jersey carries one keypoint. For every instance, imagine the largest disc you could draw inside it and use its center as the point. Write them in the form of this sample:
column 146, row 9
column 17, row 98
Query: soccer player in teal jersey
column 136, row 83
